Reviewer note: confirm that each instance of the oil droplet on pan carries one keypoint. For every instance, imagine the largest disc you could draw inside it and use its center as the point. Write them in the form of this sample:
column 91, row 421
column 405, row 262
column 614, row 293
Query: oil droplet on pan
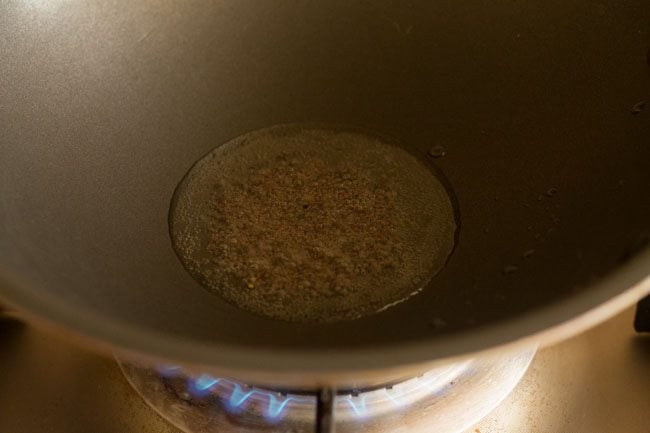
column 437, row 151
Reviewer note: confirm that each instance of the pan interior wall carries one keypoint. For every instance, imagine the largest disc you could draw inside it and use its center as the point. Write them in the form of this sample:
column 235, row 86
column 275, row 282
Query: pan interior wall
column 105, row 106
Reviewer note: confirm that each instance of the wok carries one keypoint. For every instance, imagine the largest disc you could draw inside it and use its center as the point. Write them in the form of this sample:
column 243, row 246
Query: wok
column 104, row 106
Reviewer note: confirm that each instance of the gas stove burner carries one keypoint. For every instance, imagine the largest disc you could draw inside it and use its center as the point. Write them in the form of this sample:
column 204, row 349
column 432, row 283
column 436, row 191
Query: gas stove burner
column 450, row 398
column 273, row 406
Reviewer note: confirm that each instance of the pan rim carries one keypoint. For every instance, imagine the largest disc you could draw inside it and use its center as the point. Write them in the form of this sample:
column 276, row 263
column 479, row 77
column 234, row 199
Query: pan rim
column 553, row 322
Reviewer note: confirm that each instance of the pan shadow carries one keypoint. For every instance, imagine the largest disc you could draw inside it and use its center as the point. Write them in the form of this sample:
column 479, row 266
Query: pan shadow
column 11, row 331
column 640, row 347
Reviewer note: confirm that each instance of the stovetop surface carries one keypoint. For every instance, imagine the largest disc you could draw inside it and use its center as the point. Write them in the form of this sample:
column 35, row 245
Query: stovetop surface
column 598, row 382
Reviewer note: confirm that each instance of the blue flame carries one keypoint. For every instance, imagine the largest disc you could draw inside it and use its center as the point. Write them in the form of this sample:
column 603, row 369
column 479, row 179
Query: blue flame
column 239, row 397
column 358, row 404
column 169, row 370
column 201, row 386
column 205, row 382
column 274, row 406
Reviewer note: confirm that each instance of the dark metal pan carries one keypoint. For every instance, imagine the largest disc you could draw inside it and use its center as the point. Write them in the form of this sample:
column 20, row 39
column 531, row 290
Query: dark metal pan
column 104, row 106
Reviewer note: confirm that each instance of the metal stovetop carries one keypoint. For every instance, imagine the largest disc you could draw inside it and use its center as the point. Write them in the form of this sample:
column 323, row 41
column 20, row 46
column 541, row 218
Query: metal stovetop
column 598, row 382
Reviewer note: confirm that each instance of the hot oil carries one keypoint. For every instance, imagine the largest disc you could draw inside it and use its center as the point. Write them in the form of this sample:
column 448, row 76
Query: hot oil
column 309, row 224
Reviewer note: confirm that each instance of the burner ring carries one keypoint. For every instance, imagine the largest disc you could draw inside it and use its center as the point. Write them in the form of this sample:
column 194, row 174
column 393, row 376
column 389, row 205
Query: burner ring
column 464, row 392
